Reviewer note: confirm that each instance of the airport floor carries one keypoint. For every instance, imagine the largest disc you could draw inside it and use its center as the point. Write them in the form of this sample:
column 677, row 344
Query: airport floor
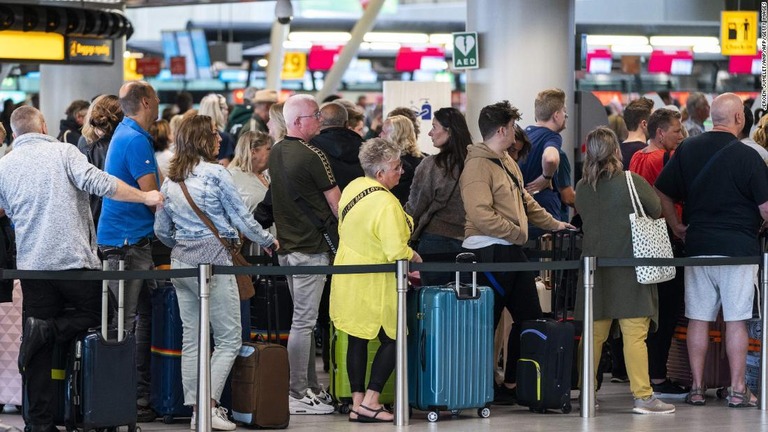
column 613, row 414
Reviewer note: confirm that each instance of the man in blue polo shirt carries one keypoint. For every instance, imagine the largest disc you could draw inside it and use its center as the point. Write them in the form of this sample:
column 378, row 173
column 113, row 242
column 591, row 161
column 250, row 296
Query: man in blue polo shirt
column 129, row 226
column 542, row 163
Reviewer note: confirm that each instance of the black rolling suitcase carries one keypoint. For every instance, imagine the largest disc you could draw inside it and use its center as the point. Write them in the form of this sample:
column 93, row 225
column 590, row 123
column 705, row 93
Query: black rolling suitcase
column 101, row 376
column 545, row 364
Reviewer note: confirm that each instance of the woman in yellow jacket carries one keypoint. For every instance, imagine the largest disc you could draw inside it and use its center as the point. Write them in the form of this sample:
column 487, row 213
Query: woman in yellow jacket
column 373, row 229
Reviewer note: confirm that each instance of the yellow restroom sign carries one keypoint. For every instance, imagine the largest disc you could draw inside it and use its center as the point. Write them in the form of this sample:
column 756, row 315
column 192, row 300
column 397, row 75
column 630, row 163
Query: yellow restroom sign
column 738, row 33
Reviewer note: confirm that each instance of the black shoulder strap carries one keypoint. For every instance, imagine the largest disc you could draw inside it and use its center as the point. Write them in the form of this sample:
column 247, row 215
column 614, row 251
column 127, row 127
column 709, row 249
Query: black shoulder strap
column 357, row 199
column 666, row 159
column 514, row 179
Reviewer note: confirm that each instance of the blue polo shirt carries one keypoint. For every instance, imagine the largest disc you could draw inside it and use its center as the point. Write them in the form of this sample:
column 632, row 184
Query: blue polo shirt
column 130, row 157
column 541, row 138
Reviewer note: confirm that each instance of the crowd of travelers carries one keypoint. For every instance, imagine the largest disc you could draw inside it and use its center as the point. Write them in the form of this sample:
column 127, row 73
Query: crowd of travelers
column 121, row 177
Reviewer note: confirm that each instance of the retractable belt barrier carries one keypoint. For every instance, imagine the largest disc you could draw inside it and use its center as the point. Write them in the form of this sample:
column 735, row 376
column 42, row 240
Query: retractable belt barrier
column 204, row 272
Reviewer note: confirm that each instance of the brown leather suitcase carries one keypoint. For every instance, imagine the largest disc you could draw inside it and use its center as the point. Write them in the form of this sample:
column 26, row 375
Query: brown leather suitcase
column 260, row 385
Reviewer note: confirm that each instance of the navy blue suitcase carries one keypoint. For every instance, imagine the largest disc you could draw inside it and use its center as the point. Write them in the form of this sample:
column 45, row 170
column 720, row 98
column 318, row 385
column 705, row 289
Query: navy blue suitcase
column 167, row 393
column 450, row 348
column 101, row 375
column 545, row 364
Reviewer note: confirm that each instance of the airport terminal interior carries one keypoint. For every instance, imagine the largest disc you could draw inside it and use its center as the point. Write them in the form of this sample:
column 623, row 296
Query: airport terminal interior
column 420, row 54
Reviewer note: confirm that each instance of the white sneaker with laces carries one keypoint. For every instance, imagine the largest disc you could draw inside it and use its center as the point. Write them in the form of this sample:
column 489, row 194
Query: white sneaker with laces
column 652, row 405
column 309, row 404
column 219, row 420
column 323, row 396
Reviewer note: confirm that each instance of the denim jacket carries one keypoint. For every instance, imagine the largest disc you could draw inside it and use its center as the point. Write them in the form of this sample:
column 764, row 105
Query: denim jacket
column 212, row 189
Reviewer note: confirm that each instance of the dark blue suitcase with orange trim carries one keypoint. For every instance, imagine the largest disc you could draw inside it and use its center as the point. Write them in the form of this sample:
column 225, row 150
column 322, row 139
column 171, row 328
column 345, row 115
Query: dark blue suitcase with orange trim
column 167, row 394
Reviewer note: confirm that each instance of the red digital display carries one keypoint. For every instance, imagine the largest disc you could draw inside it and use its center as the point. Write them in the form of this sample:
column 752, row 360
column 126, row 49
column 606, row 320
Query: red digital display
column 408, row 59
column 322, row 57
column 671, row 62
column 748, row 65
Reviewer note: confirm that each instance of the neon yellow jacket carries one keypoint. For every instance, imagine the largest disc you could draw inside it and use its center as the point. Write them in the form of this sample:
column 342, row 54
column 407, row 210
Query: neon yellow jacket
column 375, row 231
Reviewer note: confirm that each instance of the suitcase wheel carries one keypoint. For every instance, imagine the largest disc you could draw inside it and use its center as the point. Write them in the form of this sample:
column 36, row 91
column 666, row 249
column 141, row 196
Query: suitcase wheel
column 168, row 419
column 721, row 393
column 566, row 408
column 433, row 416
column 484, row 412
column 455, row 413
column 344, row 408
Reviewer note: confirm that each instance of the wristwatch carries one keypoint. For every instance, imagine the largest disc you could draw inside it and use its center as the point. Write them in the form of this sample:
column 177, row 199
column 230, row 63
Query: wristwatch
column 548, row 177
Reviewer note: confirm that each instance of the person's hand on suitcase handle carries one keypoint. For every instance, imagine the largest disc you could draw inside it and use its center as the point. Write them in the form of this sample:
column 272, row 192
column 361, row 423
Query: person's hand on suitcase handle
column 272, row 248
column 566, row 226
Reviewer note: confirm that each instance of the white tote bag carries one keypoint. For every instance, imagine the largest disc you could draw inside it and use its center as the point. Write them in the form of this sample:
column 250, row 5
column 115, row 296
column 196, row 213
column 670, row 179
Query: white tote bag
column 650, row 239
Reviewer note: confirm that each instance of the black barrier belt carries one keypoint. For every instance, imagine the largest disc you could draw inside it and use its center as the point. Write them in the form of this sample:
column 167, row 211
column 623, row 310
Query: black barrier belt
column 677, row 262
column 495, row 267
column 294, row 270
column 373, row 268
column 99, row 274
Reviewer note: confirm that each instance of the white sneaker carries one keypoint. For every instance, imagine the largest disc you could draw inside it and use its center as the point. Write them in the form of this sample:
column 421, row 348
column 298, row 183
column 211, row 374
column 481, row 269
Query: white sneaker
column 652, row 405
column 323, row 396
column 219, row 420
column 309, row 404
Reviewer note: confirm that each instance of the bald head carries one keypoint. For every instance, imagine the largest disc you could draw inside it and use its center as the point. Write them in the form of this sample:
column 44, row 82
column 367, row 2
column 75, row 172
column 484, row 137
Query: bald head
column 27, row 119
column 300, row 120
column 728, row 113
column 334, row 115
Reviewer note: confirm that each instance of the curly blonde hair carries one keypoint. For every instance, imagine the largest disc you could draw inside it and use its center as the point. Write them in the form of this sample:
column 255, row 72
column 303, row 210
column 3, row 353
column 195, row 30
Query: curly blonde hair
column 404, row 135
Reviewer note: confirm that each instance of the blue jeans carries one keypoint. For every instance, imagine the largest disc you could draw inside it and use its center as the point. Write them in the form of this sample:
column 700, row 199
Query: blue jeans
column 224, row 307
column 432, row 248
column 306, row 291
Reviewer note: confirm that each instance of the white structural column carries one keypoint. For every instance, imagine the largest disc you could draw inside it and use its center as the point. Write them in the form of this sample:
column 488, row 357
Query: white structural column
column 61, row 84
column 363, row 26
column 277, row 36
column 524, row 46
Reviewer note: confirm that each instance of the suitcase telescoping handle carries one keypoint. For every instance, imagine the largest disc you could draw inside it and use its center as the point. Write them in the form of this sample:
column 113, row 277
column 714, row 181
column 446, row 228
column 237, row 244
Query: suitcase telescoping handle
column 463, row 258
column 120, row 296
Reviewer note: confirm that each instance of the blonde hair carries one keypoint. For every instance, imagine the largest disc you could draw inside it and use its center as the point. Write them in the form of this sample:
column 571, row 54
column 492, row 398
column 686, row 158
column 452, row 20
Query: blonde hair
column 761, row 134
column 276, row 112
column 404, row 135
column 174, row 124
column 547, row 103
column 211, row 106
column 248, row 141
column 603, row 157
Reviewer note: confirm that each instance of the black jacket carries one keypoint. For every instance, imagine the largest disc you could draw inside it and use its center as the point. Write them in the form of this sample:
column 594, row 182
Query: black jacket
column 69, row 131
column 342, row 146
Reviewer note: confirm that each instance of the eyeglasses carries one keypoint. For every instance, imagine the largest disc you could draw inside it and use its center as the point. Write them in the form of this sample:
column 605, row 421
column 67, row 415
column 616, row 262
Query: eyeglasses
column 316, row 115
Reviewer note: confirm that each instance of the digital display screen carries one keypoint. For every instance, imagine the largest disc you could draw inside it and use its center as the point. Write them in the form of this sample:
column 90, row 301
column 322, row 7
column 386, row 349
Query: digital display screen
column 184, row 41
column 202, row 56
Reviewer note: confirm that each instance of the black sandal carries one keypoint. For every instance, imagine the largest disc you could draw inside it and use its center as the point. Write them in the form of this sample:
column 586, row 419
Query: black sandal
column 374, row 418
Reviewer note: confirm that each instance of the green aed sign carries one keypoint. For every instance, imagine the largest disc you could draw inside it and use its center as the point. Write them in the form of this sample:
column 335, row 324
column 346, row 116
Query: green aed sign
column 465, row 50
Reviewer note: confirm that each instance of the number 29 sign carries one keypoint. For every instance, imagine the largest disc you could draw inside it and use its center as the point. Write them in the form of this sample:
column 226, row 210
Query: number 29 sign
column 294, row 66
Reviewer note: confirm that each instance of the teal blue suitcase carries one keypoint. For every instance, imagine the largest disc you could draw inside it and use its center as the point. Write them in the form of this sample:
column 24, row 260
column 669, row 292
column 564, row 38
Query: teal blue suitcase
column 450, row 349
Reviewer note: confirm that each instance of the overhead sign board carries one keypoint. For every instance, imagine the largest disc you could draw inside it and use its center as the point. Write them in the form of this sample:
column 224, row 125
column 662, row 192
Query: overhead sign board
column 738, row 33
column 31, row 46
column 294, row 66
column 178, row 65
column 90, row 50
column 148, row 66
column 465, row 51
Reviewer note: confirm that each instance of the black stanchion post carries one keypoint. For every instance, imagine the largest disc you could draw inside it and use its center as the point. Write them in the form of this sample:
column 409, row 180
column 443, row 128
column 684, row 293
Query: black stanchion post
column 588, row 357
column 401, row 382
column 204, row 352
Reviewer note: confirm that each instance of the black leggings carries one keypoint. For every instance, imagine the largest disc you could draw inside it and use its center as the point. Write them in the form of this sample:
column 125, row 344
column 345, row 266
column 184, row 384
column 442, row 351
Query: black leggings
column 381, row 369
